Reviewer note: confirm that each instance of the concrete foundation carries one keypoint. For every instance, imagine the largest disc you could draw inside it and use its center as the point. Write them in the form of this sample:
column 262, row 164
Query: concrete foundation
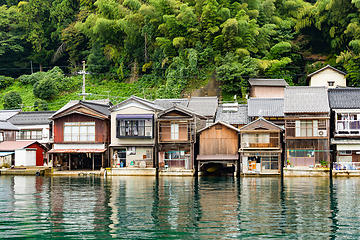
column 131, row 172
column 184, row 173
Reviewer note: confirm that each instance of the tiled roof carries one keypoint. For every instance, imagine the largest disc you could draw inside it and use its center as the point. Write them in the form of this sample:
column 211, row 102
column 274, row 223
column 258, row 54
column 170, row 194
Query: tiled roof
column 104, row 109
column 181, row 109
column 344, row 98
column 261, row 119
column 222, row 123
column 306, row 100
column 166, row 103
column 233, row 117
column 5, row 125
column 322, row 69
column 206, row 106
column 31, row 118
column 266, row 107
column 6, row 114
column 145, row 102
column 268, row 82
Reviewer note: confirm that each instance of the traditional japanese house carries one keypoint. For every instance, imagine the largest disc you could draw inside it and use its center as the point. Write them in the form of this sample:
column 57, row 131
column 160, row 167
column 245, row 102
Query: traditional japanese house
column 176, row 137
column 133, row 135
column 271, row 109
column 345, row 122
column 233, row 113
column 261, row 147
column 267, row 88
column 327, row 76
column 7, row 131
column 81, row 135
column 218, row 148
column 307, row 130
column 34, row 126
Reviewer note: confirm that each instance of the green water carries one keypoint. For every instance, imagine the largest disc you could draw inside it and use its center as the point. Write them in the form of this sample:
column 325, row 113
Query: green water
column 178, row 208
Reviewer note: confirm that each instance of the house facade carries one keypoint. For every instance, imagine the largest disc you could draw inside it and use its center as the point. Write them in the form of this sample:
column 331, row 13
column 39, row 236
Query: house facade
column 7, row 131
column 133, row 133
column 345, row 122
column 23, row 153
column 267, row 88
column 327, row 76
column 176, row 138
column 261, row 147
column 81, row 136
column 307, row 128
column 218, row 148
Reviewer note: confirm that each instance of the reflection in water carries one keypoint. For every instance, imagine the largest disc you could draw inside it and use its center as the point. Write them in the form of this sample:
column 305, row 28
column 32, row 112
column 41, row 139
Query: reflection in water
column 184, row 207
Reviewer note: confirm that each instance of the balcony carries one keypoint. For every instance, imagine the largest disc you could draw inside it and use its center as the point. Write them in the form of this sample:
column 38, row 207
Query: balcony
column 175, row 132
column 347, row 127
column 134, row 132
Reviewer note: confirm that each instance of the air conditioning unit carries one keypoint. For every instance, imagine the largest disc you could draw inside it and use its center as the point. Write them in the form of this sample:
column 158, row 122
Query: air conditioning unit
column 322, row 133
column 148, row 133
column 246, row 144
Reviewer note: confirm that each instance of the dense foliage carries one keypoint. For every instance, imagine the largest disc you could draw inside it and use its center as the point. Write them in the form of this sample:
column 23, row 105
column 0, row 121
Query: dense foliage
column 12, row 100
column 172, row 46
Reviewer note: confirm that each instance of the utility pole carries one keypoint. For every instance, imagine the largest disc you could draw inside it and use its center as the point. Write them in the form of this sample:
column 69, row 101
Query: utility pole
column 31, row 67
column 83, row 87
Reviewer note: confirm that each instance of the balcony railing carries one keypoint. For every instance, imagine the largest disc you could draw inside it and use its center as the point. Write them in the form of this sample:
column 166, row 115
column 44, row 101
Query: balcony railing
column 348, row 127
column 134, row 132
column 346, row 165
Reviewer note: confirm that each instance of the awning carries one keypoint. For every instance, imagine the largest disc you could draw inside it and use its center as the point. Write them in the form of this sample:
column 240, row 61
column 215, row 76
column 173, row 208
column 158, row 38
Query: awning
column 217, row 157
column 77, row 151
column 3, row 154
column 134, row 116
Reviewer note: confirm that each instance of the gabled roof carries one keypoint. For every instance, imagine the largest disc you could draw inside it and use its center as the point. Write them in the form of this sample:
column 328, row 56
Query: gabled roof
column 182, row 109
column 73, row 105
column 222, row 123
column 266, row 107
column 306, row 100
column 322, row 69
column 268, row 82
column 233, row 117
column 5, row 125
column 145, row 102
column 6, row 114
column 259, row 122
column 166, row 103
column 344, row 98
column 205, row 106
column 12, row 145
column 32, row 118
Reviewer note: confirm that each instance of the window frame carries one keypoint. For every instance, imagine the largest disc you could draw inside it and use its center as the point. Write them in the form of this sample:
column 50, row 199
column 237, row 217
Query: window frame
column 79, row 135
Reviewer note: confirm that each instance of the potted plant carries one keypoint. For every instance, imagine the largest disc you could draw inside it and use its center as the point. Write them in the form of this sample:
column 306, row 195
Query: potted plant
column 324, row 164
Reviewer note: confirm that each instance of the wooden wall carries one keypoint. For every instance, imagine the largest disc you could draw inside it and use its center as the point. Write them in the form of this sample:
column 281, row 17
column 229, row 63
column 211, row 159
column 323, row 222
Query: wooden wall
column 217, row 140
column 9, row 135
column 102, row 127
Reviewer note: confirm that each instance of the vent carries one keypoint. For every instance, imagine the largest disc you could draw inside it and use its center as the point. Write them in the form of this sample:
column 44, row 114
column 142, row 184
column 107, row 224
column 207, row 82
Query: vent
column 148, row 133
column 322, row 133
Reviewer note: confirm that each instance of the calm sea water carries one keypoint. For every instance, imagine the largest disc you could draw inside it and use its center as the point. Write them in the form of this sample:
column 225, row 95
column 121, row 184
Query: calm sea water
column 179, row 208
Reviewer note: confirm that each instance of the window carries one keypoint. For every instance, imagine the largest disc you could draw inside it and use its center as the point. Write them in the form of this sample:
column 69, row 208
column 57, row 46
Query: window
column 174, row 131
column 134, row 128
column 131, row 151
column 256, row 137
column 345, row 152
column 79, row 131
column 1, row 137
column 331, row 84
column 29, row 135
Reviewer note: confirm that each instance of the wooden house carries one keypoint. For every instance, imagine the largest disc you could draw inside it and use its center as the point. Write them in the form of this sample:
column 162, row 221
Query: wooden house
column 307, row 129
column 133, row 135
column 327, row 76
column 267, row 88
column 261, row 147
column 218, row 143
column 7, row 131
column 345, row 122
column 81, row 136
column 176, row 137
column 20, row 149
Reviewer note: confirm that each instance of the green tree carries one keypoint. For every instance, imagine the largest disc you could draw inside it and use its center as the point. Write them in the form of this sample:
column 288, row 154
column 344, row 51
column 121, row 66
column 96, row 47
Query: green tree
column 40, row 105
column 12, row 100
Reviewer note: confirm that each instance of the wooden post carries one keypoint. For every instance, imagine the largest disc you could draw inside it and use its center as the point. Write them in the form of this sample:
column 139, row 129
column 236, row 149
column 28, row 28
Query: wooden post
column 93, row 161
column 69, row 161
column 102, row 159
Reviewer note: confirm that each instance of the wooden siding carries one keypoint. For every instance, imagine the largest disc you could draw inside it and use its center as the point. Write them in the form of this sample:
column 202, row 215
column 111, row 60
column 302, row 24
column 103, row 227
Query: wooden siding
column 102, row 127
column 9, row 135
column 165, row 132
column 218, row 140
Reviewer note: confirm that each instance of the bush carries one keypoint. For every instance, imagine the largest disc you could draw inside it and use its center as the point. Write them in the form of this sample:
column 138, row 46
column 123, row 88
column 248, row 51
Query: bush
column 5, row 82
column 12, row 100
column 40, row 105
column 45, row 88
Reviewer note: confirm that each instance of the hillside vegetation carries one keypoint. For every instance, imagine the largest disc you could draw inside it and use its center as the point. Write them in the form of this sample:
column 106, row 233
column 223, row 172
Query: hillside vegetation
column 165, row 48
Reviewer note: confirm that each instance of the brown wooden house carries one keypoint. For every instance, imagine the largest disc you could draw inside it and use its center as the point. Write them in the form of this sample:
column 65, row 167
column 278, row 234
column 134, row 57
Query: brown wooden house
column 7, row 131
column 307, row 129
column 81, row 133
column 218, row 144
column 176, row 138
column 261, row 147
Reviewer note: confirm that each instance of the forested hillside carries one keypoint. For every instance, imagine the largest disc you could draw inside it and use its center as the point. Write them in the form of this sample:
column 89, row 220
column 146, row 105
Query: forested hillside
column 163, row 48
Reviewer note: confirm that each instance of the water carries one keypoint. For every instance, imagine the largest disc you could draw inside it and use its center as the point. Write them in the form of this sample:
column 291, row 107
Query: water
column 179, row 208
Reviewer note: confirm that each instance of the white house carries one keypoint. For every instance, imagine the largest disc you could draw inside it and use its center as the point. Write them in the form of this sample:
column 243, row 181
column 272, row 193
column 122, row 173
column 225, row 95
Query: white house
column 327, row 76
